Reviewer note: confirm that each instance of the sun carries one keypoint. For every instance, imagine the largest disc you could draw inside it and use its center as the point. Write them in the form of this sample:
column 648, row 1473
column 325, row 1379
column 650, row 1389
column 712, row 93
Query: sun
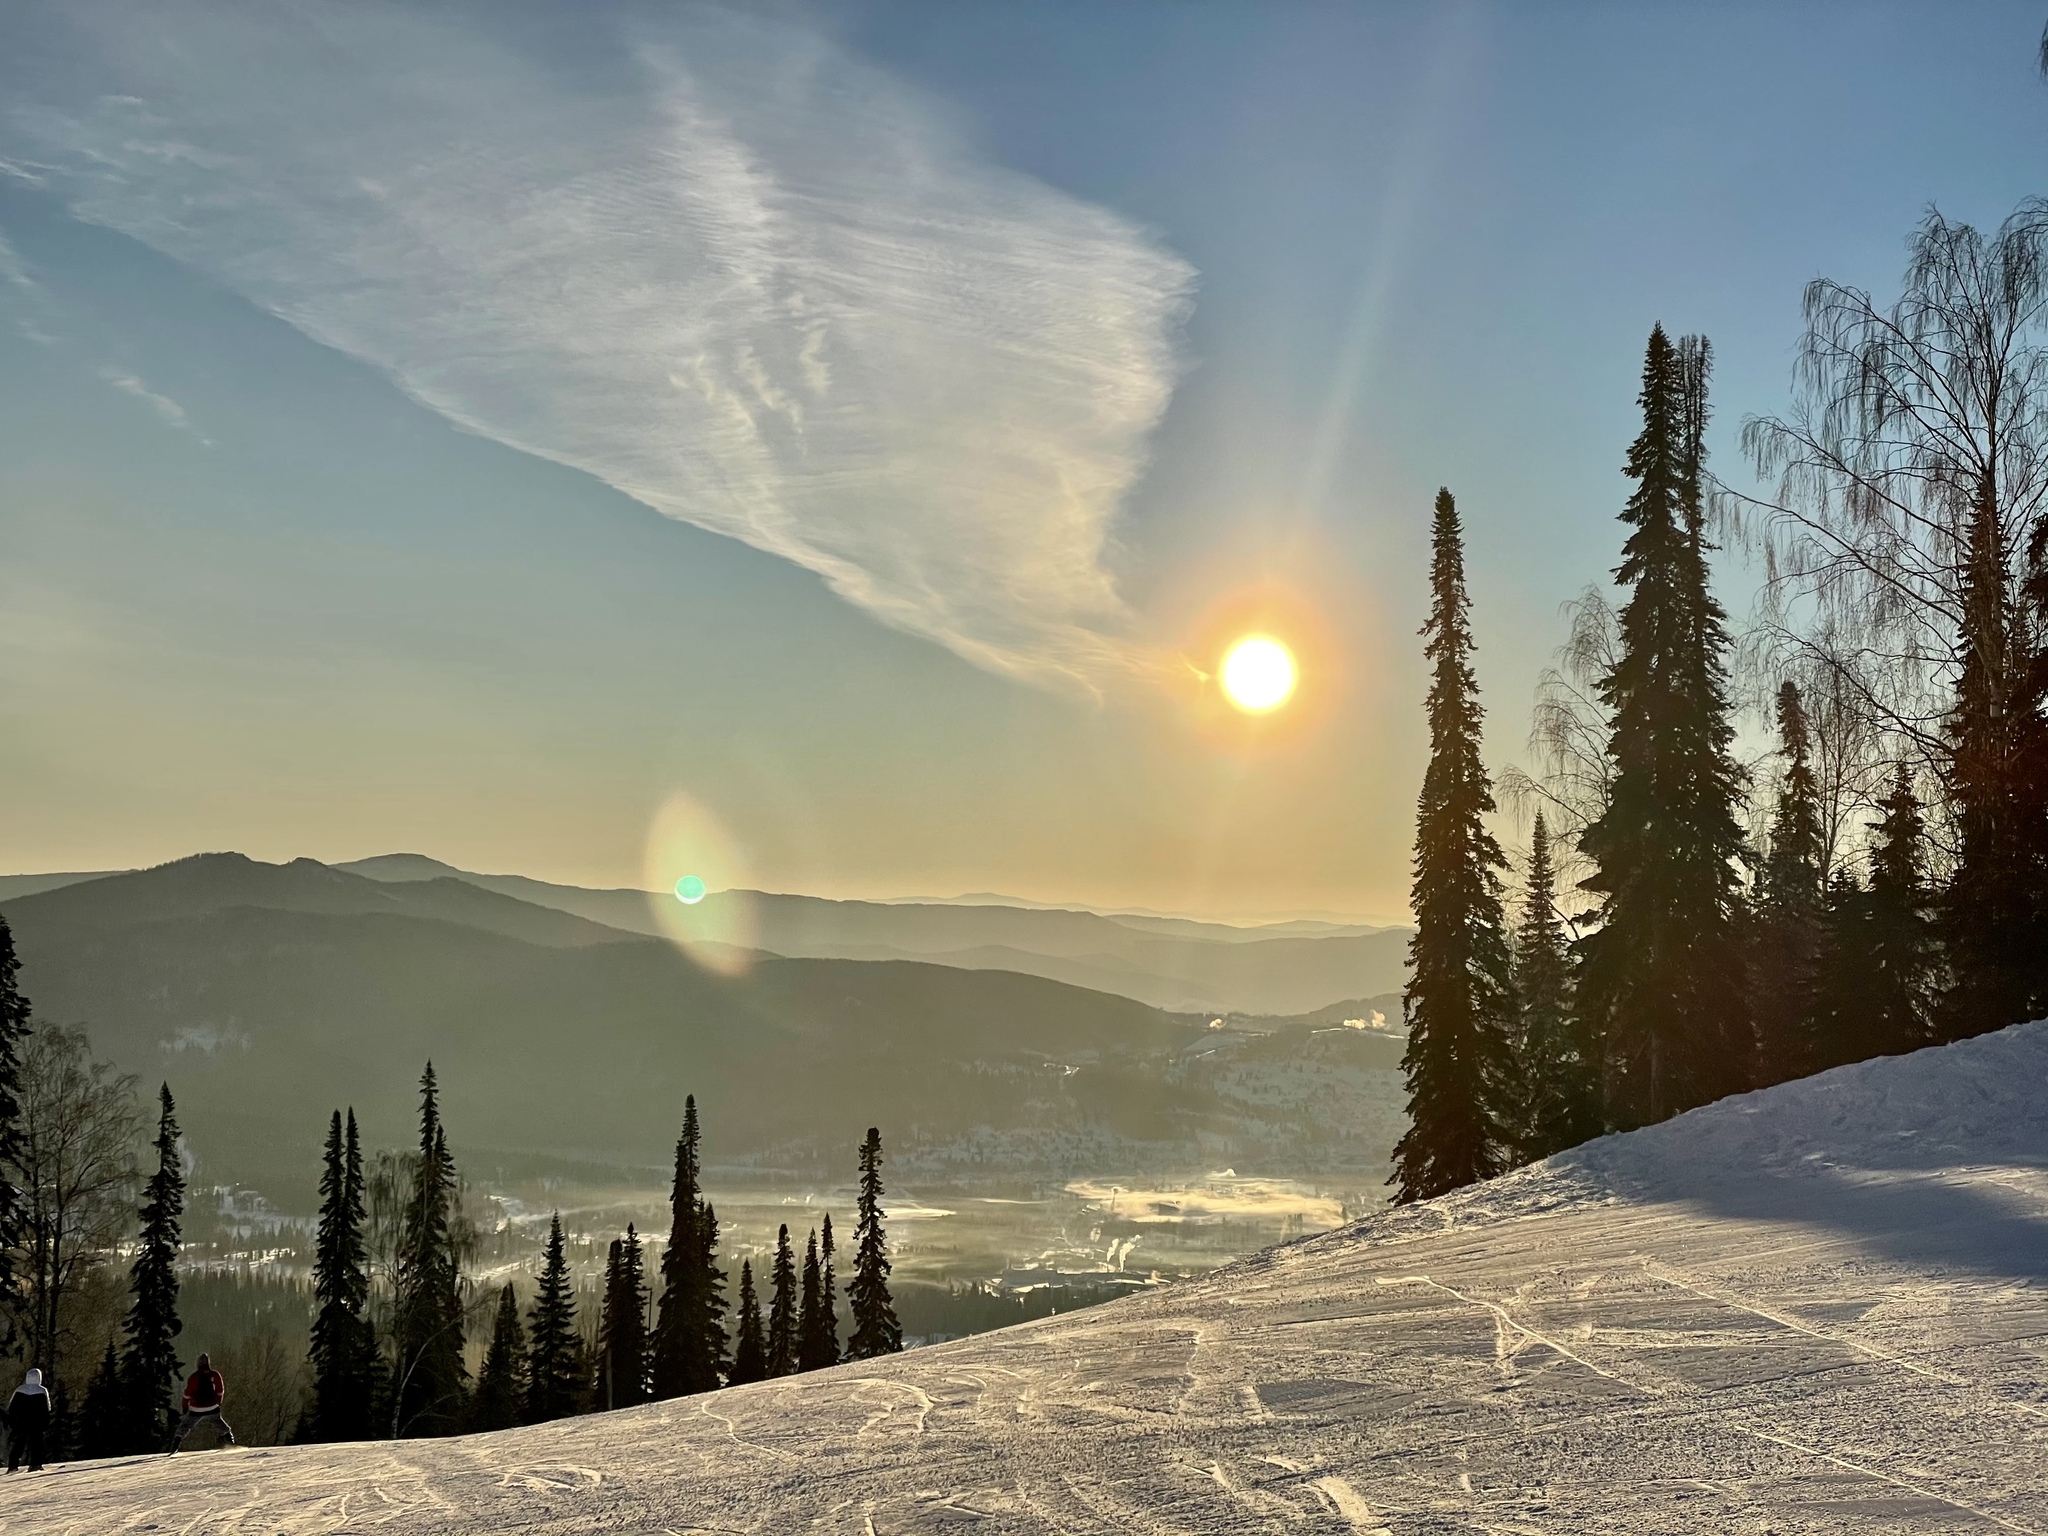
column 1258, row 674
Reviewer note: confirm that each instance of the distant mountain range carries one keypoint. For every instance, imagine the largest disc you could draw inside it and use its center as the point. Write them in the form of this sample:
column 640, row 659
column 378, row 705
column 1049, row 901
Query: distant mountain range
column 1169, row 962
column 270, row 993
column 1175, row 963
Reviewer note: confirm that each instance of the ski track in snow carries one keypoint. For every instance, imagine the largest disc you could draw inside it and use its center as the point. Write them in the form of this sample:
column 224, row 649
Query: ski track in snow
column 1820, row 1308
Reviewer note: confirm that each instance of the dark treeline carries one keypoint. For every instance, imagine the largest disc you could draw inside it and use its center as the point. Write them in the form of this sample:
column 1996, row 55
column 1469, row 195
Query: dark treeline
column 90, row 1243
column 1691, row 925
column 407, row 1377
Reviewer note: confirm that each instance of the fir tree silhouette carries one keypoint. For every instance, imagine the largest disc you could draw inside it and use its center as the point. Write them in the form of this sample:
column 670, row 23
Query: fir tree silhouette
column 429, row 1380
column 817, row 1336
column 500, row 1398
column 750, row 1350
column 1661, row 981
column 102, row 1418
column 150, row 1371
column 689, row 1330
column 1878, row 994
column 875, row 1329
column 1786, row 960
column 810, row 1305
column 1460, row 999
column 782, row 1308
column 14, row 1024
column 554, row 1356
column 342, row 1352
column 1559, row 1076
column 622, row 1326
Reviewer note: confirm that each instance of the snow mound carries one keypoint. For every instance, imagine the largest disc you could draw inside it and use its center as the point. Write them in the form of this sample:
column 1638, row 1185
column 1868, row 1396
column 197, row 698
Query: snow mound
column 1819, row 1308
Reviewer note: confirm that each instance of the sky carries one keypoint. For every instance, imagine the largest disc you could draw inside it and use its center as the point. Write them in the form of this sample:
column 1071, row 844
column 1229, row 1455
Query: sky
column 480, row 429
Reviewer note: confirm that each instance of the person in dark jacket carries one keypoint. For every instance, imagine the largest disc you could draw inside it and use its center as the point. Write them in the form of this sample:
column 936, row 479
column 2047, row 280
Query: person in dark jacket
column 205, row 1395
column 28, row 1420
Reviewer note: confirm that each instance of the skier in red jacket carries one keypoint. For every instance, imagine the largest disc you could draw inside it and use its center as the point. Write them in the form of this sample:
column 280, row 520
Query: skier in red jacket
column 205, row 1395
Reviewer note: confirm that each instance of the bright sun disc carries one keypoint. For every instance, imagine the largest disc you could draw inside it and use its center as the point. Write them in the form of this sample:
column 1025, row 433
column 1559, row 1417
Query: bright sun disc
column 1258, row 674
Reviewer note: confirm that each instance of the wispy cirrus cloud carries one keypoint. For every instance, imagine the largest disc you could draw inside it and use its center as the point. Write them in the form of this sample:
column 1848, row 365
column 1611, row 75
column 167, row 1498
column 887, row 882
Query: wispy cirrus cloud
column 720, row 263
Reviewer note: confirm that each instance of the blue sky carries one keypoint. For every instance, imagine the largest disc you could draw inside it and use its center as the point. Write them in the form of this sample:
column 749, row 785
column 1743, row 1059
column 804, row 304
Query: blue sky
column 459, row 429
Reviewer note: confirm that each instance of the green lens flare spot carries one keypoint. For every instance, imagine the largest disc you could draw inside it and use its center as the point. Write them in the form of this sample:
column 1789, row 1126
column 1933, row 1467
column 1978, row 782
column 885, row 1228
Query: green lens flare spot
column 690, row 890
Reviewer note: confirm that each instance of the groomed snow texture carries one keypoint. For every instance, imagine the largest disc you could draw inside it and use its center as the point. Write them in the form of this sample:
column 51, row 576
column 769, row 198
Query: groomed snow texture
column 1819, row 1308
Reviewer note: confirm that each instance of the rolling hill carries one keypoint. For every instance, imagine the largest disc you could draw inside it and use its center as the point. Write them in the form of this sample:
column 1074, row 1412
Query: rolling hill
column 268, row 994
column 1815, row 1309
column 1173, row 963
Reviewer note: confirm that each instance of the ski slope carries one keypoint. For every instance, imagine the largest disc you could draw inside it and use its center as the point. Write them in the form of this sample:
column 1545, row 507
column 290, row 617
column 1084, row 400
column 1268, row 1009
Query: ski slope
column 1819, row 1308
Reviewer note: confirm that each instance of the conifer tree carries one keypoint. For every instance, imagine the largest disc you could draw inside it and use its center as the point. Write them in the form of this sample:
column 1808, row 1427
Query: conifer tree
column 343, row 1349
column 500, row 1398
column 689, row 1330
column 710, row 1291
column 875, row 1329
column 1786, row 964
column 817, row 1330
column 810, row 1305
column 1878, row 993
column 1661, row 979
column 675, row 1325
column 1561, row 1099
column 1460, row 998
column 1995, row 911
column 149, row 1354
column 750, row 1350
column 102, row 1420
column 782, row 1308
column 554, row 1359
column 622, row 1327
column 14, row 1023
column 1902, row 946
column 429, row 1380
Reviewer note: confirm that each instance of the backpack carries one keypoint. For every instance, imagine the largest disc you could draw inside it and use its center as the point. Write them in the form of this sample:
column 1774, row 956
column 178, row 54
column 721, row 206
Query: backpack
column 205, row 1389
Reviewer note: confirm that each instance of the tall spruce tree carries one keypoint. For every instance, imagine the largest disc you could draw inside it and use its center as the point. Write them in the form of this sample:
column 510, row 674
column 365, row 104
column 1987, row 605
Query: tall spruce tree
column 149, row 1355
column 499, row 1401
column 817, row 1330
column 1786, row 963
column 429, row 1382
column 1995, row 911
column 1560, row 1086
column 1903, row 952
column 1661, row 978
column 1460, row 999
column 343, row 1349
column 1879, row 994
column 782, row 1307
column 750, row 1349
column 608, row 1296
column 622, row 1327
column 675, row 1326
column 14, row 1024
column 810, row 1307
column 689, row 1330
column 554, row 1353
column 875, row 1329
column 102, row 1418
column 710, row 1290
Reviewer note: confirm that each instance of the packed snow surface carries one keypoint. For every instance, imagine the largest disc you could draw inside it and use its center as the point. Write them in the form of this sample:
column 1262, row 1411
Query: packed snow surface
column 1819, row 1308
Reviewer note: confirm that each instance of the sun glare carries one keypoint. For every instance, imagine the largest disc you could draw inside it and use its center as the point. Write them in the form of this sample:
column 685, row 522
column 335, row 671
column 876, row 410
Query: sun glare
column 1258, row 674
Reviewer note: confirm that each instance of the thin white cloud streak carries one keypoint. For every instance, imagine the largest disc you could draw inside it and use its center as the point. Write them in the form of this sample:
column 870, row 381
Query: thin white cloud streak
column 734, row 272
column 163, row 405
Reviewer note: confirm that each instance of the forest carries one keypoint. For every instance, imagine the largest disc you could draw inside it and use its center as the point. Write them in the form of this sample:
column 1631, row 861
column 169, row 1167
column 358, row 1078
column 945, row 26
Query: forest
column 1756, row 853
column 407, row 1335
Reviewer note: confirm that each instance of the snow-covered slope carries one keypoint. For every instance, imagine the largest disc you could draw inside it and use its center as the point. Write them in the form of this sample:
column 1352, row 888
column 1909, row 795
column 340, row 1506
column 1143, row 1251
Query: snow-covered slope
column 1819, row 1308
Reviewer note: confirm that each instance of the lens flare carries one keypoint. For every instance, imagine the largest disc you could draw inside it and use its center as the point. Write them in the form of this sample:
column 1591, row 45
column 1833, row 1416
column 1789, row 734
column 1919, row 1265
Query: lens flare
column 698, row 885
column 1258, row 674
